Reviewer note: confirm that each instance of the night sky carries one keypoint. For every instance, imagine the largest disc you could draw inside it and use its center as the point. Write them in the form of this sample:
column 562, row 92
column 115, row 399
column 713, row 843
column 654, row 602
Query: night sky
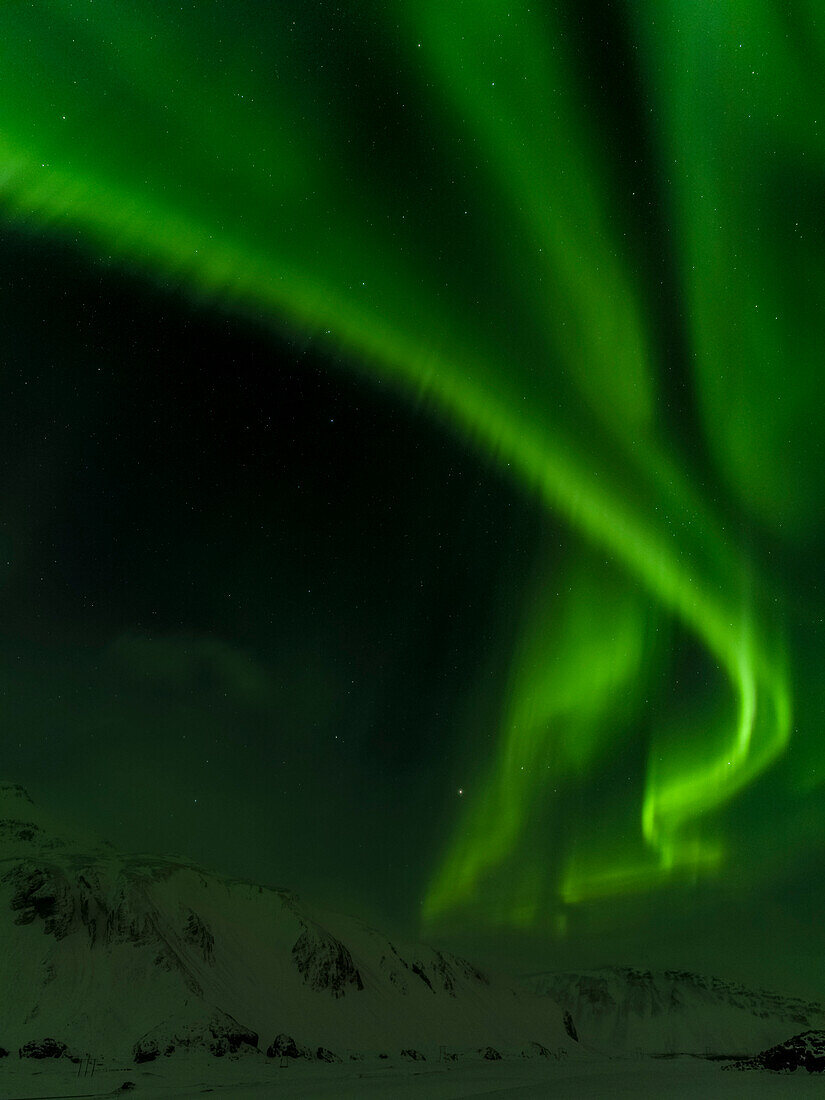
column 412, row 442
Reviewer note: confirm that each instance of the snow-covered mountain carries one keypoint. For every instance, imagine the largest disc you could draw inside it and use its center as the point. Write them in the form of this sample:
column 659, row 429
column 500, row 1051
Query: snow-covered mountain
column 673, row 1012
column 135, row 957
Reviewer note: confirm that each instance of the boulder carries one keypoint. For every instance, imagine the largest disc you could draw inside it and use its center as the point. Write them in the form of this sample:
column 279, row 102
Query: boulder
column 324, row 1055
column 413, row 1055
column 284, row 1046
column 44, row 1048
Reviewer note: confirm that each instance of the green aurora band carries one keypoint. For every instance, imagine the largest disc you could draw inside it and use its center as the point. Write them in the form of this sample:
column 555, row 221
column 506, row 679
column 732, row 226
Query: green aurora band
column 478, row 259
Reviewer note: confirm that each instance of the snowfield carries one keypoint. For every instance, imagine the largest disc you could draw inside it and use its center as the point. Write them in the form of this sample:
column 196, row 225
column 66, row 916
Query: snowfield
column 197, row 1077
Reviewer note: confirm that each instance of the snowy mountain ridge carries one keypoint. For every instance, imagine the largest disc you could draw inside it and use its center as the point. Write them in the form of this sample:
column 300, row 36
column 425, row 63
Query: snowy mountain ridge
column 674, row 1011
column 140, row 956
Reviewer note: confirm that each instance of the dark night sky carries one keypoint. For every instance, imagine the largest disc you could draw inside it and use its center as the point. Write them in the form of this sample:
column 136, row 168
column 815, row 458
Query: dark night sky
column 252, row 594
column 411, row 434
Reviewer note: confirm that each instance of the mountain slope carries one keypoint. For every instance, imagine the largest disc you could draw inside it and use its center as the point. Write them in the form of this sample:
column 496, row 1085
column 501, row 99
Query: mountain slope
column 670, row 1012
column 114, row 954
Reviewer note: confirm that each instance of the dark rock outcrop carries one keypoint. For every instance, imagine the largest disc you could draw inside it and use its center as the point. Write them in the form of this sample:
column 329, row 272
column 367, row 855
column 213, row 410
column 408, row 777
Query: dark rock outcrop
column 198, row 935
column 13, row 791
column 435, row 970
column 40, row 893
column 147, row 1050
column 536, row 1050
column 220, row 1035
column 229, row 1037
column 324, row 1055
column 324, row 963
column 284, row 1046
column 44, row 1048
column 471, row 972
column 11, row 829
column 803, row 1051
column 418, row 970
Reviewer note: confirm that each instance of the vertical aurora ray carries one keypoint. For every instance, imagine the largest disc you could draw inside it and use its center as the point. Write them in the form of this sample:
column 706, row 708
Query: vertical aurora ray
column 739, row 115
column 159, row 139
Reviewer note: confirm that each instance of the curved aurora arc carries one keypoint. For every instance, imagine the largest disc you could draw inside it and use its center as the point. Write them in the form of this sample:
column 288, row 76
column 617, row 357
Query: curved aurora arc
column 181, row 162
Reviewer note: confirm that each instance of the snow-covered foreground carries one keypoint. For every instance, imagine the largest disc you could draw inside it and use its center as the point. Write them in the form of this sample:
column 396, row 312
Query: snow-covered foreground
column 196, row 1077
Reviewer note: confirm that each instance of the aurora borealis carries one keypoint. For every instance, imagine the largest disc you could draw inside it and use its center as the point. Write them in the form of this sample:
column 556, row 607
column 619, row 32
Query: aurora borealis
column 414, row 409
